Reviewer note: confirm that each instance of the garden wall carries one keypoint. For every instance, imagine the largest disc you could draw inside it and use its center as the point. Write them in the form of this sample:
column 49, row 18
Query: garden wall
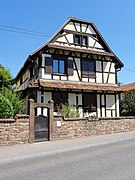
column 14, row 131
column 72, row 128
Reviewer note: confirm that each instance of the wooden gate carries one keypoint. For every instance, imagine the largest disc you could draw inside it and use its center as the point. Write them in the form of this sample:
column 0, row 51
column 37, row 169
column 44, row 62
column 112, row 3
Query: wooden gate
column 41, row 121
column 41, row 128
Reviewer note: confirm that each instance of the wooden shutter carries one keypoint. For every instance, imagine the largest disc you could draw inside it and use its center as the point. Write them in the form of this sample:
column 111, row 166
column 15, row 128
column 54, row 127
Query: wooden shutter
column 70, row 67
column 92, row 73
column 48, row 65
column 85, row 69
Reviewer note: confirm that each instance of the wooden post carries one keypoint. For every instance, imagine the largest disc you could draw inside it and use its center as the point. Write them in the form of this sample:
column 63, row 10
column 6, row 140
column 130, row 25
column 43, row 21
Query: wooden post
column 51, row 102
column 31, row 127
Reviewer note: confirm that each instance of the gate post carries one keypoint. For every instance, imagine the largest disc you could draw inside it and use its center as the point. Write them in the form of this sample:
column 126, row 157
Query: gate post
column 31, row 127
column 51, row 102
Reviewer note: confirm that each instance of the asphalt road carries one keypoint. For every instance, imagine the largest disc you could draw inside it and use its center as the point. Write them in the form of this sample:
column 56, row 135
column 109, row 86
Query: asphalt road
column 114, row 161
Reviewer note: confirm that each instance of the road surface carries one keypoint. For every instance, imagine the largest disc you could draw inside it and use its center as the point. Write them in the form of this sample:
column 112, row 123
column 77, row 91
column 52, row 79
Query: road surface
column 113, row 161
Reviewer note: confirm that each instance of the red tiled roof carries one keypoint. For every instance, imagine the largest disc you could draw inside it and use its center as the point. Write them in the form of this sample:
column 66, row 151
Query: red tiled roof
column 74, row 85
column 128, row 87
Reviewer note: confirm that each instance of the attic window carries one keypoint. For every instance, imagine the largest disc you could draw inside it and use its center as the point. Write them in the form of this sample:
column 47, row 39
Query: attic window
column 84, row 40
column 80, row 40
column 77, row 39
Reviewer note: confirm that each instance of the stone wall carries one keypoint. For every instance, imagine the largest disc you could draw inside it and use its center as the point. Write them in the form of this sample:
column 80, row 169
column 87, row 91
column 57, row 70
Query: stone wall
column 72, row 128
column 14, row 131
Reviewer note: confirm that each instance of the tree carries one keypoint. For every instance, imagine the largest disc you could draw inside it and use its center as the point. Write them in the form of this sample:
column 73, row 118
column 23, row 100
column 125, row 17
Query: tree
column 6, row 79
column 127, row 105
column 10, row 101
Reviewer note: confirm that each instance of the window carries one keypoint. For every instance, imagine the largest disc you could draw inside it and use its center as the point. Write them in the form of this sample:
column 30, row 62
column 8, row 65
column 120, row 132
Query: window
column 77, row 39
column 88, row 68
column 84, row 40
column 89, row 102
column 59, row 66
column 59, row 99
column 81, row 40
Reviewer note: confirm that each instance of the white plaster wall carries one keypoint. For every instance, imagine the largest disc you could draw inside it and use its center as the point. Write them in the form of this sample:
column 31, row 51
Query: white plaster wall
column 70, row 37
column 97, row 45
column 103, row 112
column 77, row 26
column 38, row 101
column 90, row 30
column 84, row 26
column 106, row 66
column 62, row 39
column 56, row 77
column 70, row 26
column 91, row 41
column 99, row 77
column 63, row 78
column 117, row 105
column 98, row 105
column 78, row 64
column 111, row 79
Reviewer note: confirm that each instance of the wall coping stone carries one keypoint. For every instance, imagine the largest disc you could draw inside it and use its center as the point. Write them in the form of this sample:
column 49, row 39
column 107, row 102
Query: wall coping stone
column 117, row 118
column 7, row 120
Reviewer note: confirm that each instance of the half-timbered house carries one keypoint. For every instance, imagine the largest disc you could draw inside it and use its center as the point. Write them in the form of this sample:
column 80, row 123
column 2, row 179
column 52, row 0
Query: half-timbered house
column 76, row 66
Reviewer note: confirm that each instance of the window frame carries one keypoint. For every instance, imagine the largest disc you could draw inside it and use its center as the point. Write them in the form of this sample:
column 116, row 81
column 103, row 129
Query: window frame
column 88, row 73
column 90, row 104
column 61, row 97
column 80, row 40
column 59, row 60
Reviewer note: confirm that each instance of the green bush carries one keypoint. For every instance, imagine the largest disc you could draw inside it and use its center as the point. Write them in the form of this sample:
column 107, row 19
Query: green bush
column 6, row 108
column 10, row 103
column 68, row 111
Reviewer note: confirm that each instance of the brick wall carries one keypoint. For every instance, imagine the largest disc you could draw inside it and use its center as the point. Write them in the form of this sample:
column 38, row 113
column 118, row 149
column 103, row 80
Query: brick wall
column 14, row 131
column 72, row 128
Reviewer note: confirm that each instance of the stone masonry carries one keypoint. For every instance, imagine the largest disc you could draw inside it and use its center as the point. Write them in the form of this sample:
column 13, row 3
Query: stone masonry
column 72, row 128
column 14, row 131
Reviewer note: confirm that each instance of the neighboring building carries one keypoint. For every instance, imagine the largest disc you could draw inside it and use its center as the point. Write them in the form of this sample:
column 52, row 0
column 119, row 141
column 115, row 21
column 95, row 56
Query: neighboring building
column 128, row 87
column 125, row 88
column 76, row 66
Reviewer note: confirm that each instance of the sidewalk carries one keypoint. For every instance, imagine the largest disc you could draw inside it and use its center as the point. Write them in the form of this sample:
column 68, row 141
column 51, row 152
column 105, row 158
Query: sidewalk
column 24, row 151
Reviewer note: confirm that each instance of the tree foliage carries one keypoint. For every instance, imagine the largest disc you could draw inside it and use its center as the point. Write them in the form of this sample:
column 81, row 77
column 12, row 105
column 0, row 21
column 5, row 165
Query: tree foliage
column 6, row 79
column 10, row 101
column 127, row 105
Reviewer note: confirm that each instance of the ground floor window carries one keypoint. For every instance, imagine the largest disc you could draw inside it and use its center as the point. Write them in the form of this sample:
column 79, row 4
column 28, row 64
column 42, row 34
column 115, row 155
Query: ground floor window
column 89, row 102
column 59, row 99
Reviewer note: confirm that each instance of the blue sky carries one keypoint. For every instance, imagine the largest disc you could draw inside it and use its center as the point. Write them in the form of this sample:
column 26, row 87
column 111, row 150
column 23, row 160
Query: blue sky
column 115, row 19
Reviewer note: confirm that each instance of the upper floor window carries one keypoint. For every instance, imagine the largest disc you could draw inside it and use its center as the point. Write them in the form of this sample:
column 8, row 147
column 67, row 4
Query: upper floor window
column 88, row 68
column 81, row 40
column 59, row 66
